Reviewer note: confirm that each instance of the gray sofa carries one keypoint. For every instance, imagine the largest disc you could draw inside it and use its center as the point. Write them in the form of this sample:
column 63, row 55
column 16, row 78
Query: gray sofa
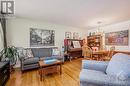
column 113, row 73
column 38, row 53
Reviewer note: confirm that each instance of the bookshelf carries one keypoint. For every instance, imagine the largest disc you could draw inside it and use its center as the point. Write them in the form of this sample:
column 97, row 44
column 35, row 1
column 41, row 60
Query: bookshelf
column 95, row 42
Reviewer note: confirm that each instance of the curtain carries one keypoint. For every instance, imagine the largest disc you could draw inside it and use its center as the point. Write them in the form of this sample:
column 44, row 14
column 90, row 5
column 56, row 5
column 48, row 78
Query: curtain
column 3, row 43
column 1, row 38
column 3, row 24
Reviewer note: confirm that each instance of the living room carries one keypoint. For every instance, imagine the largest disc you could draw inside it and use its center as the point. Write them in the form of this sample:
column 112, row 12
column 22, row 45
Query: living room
column 64, row 43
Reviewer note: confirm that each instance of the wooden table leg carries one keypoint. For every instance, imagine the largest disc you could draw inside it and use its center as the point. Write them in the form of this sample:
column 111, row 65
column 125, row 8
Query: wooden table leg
column 101, row 57
column 41, row 74
column 61, row 69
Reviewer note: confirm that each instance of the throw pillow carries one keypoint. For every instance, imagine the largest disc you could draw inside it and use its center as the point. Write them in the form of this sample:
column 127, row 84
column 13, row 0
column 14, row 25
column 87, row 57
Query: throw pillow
column 22, row 53
column 55, row 52
column 29, row 53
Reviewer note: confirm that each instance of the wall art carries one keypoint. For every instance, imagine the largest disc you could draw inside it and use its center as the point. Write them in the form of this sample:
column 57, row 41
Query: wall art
column 41, row 37
column 117, row 38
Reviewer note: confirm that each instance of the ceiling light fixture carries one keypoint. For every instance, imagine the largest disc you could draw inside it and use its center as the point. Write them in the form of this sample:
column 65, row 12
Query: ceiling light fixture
column 99, row 32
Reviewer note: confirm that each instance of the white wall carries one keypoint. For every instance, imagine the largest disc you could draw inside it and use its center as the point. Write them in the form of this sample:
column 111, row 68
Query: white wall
column 115, row 27
column 18, row 31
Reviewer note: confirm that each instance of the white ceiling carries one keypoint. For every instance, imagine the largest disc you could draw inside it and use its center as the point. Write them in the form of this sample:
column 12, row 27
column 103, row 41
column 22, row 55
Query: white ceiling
column 78, row 13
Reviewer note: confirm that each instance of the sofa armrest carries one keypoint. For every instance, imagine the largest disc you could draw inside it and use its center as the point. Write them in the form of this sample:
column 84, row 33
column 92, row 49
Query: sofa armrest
column 21, row 62
column 94, row 65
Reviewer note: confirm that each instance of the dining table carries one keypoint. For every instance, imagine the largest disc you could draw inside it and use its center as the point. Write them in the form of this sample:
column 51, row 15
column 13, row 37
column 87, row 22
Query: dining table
column 99, row 55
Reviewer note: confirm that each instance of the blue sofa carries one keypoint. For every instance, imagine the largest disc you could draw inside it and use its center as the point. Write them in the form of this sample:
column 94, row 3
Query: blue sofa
column 113, row 73
column 38, row 53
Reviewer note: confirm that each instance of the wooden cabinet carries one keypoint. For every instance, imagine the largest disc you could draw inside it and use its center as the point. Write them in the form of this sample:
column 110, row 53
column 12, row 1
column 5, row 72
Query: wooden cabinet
column 4, row 72
column 95, row 42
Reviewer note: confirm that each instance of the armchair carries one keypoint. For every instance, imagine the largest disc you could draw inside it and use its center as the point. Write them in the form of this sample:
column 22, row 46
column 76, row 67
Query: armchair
column 113, row 73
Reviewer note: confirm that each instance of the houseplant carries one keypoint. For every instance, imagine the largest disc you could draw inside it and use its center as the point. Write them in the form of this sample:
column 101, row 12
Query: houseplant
column 11, row 54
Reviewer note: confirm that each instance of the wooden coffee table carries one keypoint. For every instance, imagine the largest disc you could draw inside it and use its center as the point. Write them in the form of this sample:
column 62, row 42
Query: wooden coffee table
column 49, row 68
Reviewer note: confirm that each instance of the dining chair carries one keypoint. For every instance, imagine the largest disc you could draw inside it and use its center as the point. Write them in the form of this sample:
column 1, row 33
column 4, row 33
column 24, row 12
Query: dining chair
column 110, row 54
column 97, row 55
column 86, row 52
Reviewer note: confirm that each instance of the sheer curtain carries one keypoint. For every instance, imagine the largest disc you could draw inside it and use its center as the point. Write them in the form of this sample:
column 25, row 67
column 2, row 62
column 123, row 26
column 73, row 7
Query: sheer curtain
column 1, row 38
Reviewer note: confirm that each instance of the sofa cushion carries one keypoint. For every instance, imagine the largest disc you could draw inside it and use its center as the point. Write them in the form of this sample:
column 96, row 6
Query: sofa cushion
column 46, row 58
column 52, row 57
column 100, row 79
column 118, row 63
column 45, row 52
column 31, row 61
column 21, row 52
column 93, row 76
column 35, row 52
column 42, row 52
column 24, row 53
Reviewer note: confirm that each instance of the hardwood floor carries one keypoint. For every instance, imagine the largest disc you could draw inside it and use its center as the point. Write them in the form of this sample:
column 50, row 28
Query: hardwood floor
column 69, row 77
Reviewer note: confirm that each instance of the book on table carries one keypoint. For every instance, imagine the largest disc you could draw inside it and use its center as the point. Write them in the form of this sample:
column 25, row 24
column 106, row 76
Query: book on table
column 50, row 61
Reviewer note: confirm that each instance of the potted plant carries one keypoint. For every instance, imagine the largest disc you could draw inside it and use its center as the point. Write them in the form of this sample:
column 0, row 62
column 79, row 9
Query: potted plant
column 11, row 54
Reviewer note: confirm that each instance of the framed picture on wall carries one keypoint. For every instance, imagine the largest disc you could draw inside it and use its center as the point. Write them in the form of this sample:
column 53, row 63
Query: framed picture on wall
column 41, row 37
column 117, row 38
column 68, row 35
column 75, row 35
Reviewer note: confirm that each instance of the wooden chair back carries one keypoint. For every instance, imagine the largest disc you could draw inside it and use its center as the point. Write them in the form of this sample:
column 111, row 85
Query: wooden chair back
column 86, row 51
column 110, row 53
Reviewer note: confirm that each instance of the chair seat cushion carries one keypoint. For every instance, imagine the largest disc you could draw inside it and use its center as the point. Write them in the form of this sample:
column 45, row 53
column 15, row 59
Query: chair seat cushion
column 31, row 60
column 100, row 78
column 118, row 63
